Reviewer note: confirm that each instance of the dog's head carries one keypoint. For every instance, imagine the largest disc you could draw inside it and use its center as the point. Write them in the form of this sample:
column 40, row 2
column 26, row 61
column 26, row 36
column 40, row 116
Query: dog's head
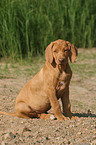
column 59, row 51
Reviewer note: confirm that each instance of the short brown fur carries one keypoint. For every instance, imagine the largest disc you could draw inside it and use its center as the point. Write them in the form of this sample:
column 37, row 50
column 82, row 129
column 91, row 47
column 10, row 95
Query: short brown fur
column 51, row 83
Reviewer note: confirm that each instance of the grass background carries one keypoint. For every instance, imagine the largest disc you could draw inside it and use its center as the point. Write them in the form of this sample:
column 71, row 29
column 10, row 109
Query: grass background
column 28, row 26
column 85, row 66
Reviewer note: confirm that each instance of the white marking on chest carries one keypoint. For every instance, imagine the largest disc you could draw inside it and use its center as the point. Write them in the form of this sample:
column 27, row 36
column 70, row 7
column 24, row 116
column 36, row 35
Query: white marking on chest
column 62, row 82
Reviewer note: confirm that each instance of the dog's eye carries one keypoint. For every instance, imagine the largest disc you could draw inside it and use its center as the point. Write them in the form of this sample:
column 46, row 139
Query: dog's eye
column 55, row 51
column 66, row 50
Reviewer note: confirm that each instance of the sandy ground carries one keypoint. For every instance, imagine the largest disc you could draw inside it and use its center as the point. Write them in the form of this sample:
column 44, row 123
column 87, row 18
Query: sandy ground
column 19, row 131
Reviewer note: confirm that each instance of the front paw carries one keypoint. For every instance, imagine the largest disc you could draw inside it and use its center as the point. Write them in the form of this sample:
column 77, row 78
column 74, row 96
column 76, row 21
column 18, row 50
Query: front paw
column 62, row 118
column 74, row 118
column 68, row 115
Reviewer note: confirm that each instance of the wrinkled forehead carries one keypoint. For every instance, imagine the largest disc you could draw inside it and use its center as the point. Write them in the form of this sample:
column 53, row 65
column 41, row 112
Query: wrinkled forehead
column 60, row 45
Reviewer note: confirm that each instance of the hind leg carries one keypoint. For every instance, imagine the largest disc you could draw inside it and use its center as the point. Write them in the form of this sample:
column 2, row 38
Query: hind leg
column 23, row 110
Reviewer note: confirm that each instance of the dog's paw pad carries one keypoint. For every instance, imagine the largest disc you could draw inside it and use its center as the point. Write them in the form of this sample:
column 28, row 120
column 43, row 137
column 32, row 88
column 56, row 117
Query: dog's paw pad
column 52, row 117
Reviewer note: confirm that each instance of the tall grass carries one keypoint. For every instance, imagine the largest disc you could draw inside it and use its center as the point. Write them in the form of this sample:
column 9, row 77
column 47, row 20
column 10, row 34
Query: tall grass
column 28, row 26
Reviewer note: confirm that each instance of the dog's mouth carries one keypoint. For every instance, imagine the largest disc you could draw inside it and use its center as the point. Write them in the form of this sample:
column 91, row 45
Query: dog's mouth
column 62, row 61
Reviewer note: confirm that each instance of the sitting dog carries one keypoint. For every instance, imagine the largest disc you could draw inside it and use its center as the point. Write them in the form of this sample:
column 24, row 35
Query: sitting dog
column 46, row 87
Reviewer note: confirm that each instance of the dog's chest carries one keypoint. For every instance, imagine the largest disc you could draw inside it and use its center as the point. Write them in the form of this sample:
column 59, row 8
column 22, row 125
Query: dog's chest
column 63, row 82
column 62, row 79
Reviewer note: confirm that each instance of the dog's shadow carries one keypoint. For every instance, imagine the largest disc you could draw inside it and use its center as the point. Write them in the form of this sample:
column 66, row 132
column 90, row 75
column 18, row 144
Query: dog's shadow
column 84, row 115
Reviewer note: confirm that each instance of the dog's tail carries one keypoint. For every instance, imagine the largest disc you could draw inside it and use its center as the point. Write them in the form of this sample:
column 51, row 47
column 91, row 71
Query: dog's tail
column 20, row 115
column 10, row 114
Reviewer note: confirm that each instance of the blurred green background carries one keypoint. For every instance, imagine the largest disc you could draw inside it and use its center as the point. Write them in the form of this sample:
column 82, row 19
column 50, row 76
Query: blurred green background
column 28, row 26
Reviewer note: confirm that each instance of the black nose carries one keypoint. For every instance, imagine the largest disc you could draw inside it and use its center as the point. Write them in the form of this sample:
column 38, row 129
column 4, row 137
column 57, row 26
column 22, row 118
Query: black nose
column 61, row 60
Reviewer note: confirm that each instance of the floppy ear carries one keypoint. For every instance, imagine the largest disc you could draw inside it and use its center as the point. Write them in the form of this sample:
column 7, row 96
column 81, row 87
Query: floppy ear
column 48, row 53
column 73, row 52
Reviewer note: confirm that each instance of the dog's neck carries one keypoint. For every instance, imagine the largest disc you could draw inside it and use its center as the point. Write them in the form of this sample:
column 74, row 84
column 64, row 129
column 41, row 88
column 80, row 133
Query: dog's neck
column 62, row 67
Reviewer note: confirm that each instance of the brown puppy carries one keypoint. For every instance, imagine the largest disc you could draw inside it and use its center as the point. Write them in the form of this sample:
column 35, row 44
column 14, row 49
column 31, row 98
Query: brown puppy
column 51, row 83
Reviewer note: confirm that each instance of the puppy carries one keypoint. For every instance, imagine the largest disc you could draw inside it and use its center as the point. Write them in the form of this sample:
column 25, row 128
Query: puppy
column 52, row 82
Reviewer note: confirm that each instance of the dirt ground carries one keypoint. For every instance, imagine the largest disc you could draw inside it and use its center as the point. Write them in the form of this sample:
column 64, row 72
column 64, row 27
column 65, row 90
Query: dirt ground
column 82, row 131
